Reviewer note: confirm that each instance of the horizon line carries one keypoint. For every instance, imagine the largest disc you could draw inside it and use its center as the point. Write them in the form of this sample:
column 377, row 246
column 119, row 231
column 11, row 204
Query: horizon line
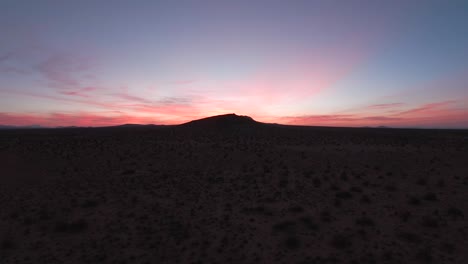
column 36, row 126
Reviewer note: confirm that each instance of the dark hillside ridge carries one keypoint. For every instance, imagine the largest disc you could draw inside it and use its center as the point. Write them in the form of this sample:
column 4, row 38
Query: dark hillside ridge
column 222, row 121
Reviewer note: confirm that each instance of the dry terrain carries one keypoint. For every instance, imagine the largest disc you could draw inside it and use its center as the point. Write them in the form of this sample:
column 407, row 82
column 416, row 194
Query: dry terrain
column 230, row 190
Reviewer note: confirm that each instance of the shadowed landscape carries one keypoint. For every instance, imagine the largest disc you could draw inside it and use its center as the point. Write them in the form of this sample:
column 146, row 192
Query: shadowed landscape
column 228, row 189
column 116, row 145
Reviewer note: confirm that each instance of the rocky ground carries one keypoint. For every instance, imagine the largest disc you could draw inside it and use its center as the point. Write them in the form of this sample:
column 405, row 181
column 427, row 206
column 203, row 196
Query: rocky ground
column 233, row 192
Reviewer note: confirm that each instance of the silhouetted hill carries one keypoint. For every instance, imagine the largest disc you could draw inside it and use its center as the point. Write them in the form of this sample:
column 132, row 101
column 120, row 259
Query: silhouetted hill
column 222, row 121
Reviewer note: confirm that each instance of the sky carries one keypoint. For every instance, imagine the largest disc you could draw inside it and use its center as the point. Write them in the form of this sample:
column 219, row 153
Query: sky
column 326, row 63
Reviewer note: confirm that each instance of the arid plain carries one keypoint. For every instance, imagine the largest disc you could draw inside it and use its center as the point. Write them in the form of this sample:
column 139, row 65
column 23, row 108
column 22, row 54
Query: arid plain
column 231, row 190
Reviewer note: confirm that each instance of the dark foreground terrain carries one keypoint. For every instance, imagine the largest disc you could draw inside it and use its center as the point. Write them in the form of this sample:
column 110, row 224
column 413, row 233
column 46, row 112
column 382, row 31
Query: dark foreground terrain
column 230, row 190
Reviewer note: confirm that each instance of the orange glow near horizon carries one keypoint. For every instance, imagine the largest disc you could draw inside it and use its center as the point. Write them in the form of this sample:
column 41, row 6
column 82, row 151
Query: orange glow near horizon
column 423, row 116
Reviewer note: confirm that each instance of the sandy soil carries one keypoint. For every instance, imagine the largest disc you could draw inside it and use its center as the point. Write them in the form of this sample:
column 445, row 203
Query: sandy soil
column 233, row 193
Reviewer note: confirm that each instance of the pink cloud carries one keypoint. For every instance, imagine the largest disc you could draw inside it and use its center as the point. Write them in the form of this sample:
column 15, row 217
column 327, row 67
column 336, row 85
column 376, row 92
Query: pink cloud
column 5, row 59
column 385, row 106
column 168, row 109
column 6, row 56
column 183, row 82
column 81, row 92
column 174, row 113
column 64, row 70
column 170, row 106
column 437, row 114
column 428, row 108
column 88, row 101
column 10, row 69
column 337, row 120
column 132, row 98
column 75, row 119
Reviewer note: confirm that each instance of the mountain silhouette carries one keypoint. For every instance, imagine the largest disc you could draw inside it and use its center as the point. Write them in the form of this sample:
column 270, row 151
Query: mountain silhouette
column 222, row 121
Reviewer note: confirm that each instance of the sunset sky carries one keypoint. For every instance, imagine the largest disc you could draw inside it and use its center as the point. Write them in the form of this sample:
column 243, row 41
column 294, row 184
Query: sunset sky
column 328, row 63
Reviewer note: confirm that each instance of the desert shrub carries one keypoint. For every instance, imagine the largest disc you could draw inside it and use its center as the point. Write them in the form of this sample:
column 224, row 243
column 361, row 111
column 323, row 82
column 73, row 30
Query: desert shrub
column 285, row 226
column 365, row 199
column 309, row 223
column 448, row 248
column 364, row 221
column 317, row 182
column 341, row 241
column 430, row 197
column 405, row 216
column 355, row 189
column 283, row 183
column 337, row 203
column 71, row 227
column 89, row 204
column 414, row 201
column 387, row 255
column 326, row 217
column 7, row 244
column 390, row 188
column 296, row 209
column 430, row 222
column 421, row 181
column 128, row 172
column 409, row 237
column 441, row 183
column 344, row 195
column 424, row 256
column 292, row 243
column 455, row 213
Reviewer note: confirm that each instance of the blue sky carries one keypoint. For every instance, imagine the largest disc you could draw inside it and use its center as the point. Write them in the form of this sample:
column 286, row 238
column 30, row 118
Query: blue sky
column 337, row 63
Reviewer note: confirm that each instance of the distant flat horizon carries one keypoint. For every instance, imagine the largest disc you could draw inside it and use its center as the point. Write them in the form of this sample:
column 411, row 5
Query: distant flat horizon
column 3, row 126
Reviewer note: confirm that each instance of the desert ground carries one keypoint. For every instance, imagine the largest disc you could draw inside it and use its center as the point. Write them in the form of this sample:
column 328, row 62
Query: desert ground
column 231, row 190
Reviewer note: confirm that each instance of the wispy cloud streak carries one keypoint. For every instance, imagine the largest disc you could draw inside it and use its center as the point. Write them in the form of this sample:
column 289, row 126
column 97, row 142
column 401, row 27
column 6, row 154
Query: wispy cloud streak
column 63, row 70
column 427, row 115
column 74, row 119
column 385, row 106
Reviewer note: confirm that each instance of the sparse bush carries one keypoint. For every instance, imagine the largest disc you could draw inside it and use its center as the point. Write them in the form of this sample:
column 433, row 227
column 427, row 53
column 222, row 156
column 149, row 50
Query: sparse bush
column 309, row 223
column 7, row 244
column 364, row 221
column 455, row 213
column 292, row 243
column 432, row 197
column 365, row 199
column 414, row 201
column 71, row 227
column 341, row 241
column 285, row 226
column 430, row 222
column 344, row 195
column 409, row 237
